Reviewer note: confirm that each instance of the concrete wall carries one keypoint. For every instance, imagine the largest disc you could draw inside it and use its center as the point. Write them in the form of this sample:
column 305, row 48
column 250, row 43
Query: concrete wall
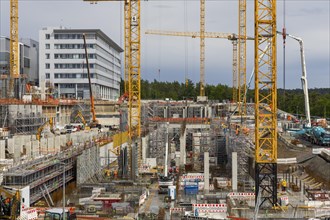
column 48, row 144
column 2, row 149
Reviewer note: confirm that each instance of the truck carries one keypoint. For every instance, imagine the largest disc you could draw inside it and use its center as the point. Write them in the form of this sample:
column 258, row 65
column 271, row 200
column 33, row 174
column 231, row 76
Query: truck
column 319, row 136
column 164, row 183
column 57, row 214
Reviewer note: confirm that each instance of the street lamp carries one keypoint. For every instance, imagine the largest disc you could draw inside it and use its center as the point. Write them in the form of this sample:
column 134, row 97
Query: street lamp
column 63, row 215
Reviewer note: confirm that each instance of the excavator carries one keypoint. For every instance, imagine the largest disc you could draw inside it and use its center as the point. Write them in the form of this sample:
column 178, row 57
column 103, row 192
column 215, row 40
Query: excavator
column 82, row 118
column 41, row 128
column 9, row 204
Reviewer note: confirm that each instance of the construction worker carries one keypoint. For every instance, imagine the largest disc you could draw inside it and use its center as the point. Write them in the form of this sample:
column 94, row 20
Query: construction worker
column 284, row 185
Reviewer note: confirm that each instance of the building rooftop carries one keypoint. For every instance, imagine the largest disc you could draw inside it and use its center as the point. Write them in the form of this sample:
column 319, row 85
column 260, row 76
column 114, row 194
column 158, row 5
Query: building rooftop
column 97, row 31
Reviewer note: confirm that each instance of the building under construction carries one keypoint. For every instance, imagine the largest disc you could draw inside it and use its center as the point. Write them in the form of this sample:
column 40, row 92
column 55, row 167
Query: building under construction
column 154, row 159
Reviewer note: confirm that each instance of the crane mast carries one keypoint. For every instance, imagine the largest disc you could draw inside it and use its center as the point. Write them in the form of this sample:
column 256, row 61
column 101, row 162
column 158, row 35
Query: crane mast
column 132, row 35
column 126, row 46
column 14, row 47
column 265, row 95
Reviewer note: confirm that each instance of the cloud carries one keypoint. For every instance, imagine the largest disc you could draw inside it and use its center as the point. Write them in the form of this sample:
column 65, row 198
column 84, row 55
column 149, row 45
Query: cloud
column 306, row 19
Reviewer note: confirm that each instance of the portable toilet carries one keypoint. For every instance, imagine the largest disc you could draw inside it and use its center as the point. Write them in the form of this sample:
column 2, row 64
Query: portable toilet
column 172, row 192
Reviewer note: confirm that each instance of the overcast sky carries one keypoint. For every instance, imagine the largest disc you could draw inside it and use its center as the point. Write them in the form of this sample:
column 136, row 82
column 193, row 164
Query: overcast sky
column 307, row 19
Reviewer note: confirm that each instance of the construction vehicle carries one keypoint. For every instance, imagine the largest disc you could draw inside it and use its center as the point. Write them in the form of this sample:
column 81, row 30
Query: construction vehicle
column 304, row 75
column 9, row 204
column 42, row 127
column 82, row 118
column 318, row 135
column 164, row 182
column 57, row 213
column 122, row 98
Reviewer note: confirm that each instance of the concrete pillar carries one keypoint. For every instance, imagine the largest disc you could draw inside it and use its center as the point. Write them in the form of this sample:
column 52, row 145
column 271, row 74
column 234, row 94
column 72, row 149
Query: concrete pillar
column 302, row 186
column 28, row 147
column 210, row 112
column 206, row 172
column 10, row 144
column 57, row 144
column 50, row 144
column 145, row 141
column 166, row 112
column 76, row 90
column 62, row 140
column 43, row 146
column 184, row 112
column 234, row 171
column 18, row 143
column 2, row 149
column 205, row 112
column 35, row 148
column 183, row 148
column 202, row 115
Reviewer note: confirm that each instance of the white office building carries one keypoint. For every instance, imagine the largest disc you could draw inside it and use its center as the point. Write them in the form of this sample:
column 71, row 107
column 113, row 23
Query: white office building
column 62, row 63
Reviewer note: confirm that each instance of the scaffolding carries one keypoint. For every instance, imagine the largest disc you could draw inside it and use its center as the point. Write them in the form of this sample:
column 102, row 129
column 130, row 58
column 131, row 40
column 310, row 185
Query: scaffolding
column 45, row 175
column 21, row 118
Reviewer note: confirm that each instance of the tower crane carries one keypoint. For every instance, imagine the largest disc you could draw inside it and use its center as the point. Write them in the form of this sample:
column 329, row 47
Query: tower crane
column 132, row 48
column 14, row 47
column 303, row 77
column 232, row 37
column 265, row 93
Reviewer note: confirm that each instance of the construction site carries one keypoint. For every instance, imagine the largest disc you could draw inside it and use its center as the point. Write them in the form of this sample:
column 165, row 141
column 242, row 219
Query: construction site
column 81, row 151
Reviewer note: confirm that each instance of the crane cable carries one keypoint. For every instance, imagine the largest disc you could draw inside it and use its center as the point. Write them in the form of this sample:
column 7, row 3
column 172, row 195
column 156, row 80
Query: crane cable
column 185, row 13
column 284, row 40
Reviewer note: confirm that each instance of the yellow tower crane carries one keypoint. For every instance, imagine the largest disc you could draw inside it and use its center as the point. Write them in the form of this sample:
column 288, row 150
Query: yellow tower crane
column 232, row 37
column 14, row 47
column 265, row 95
column 132, row 48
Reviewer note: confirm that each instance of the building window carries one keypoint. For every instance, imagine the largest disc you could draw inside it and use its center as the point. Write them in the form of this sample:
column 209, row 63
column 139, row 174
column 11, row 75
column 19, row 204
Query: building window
column 47, row 56
column 47, row 46
column 47, row 75
column 73, row 46
column 47, row 36
column 47, row 66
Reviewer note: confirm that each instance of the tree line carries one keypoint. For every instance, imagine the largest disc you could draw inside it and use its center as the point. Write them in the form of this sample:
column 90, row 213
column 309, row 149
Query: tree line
column 290, row 100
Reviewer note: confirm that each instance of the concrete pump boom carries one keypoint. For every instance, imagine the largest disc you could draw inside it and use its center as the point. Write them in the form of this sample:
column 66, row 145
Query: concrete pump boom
column 303, row 77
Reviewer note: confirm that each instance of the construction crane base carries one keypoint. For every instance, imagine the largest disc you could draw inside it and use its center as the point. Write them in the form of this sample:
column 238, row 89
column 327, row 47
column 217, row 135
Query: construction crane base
column 266, row 183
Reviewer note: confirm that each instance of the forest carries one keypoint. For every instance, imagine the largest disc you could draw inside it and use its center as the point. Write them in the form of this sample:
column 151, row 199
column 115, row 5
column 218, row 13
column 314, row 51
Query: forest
column 290, row 100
